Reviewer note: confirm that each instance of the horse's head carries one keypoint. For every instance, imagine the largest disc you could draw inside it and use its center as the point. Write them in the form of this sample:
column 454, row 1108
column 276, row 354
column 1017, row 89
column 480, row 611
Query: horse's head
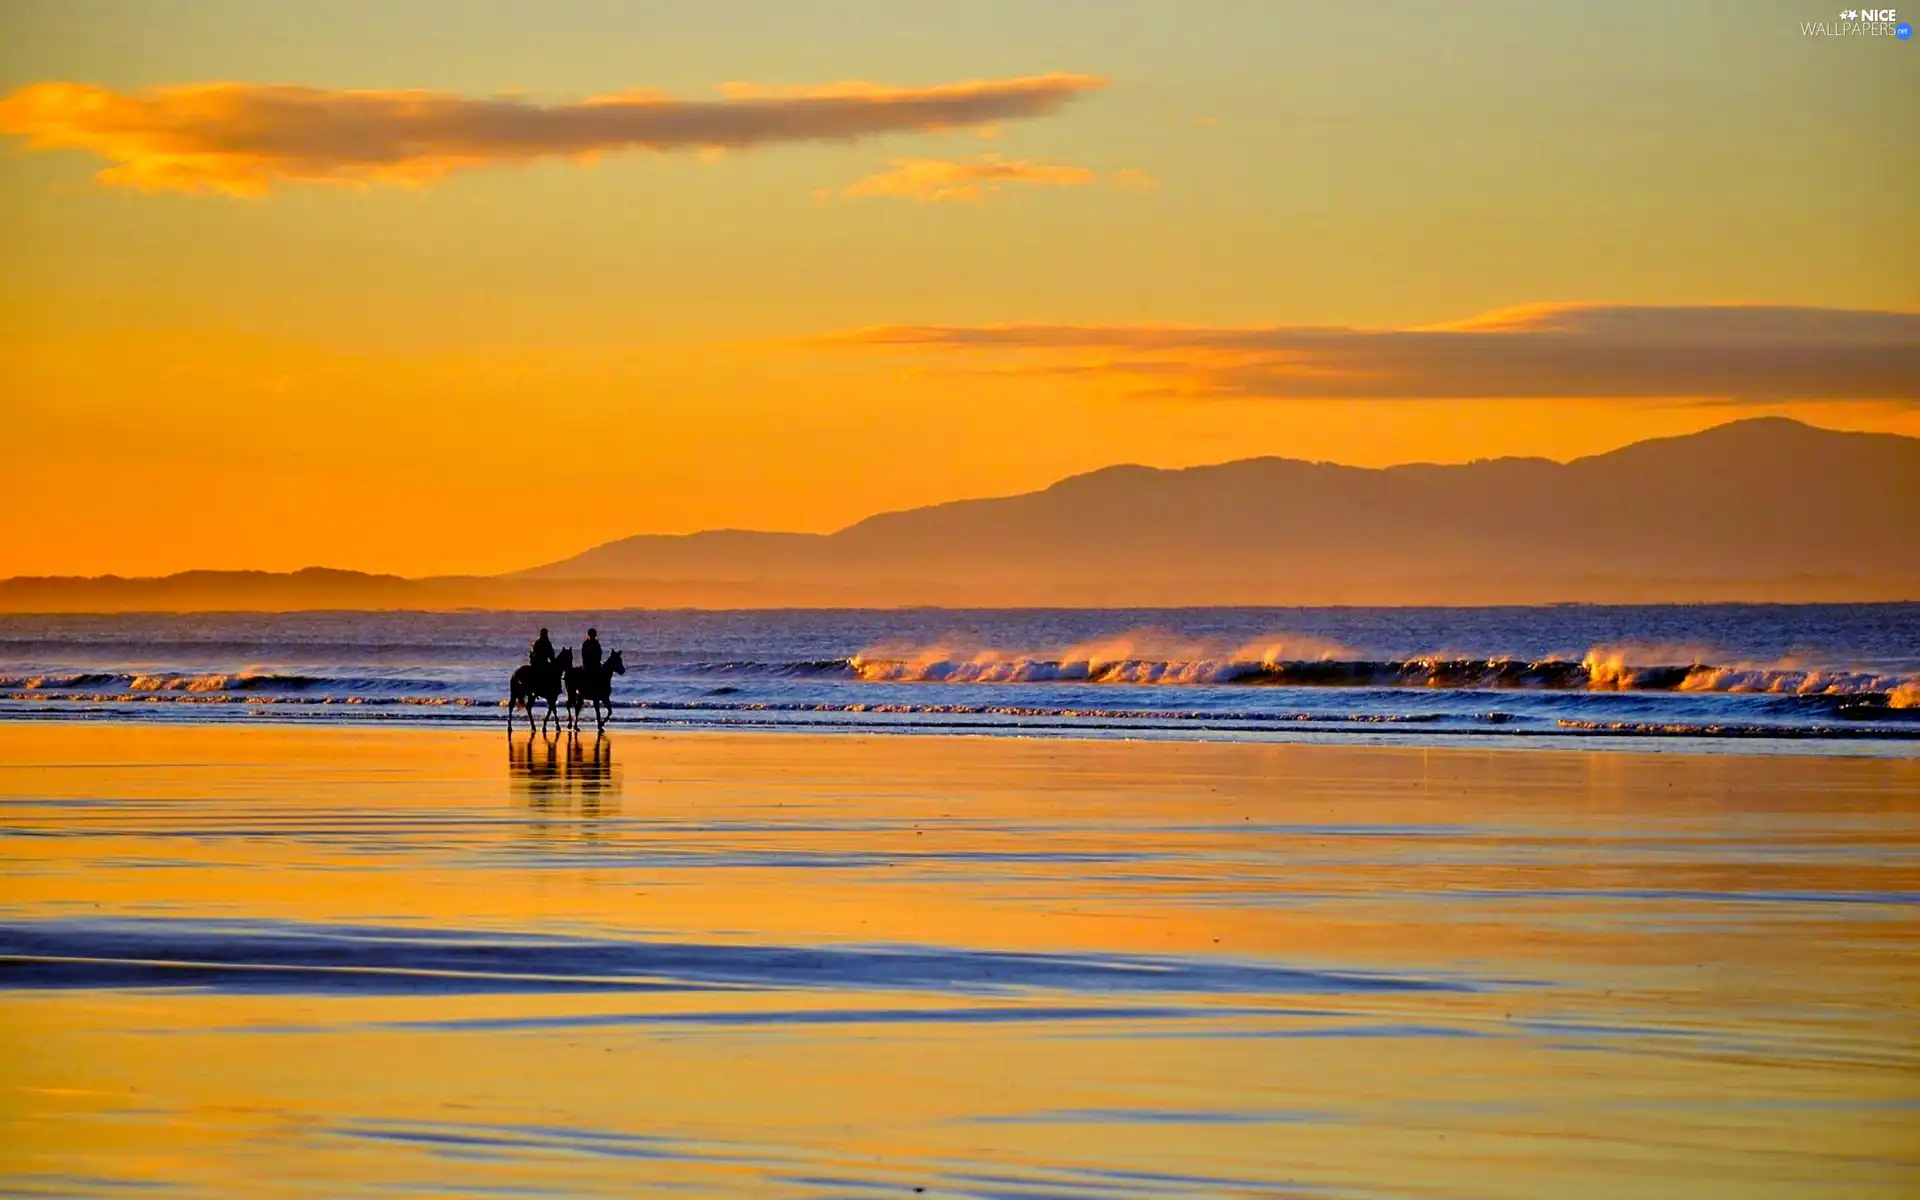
column 615, row 665
column 564, row 659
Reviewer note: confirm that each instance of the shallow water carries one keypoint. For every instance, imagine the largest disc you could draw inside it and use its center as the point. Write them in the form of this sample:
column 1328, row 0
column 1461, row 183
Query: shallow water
column 1808, row 679
column 345, row 961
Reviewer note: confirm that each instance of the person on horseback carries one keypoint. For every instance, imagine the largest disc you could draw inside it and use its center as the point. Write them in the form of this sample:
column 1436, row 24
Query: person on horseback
column 592, row 686
column 537, row 681
column 590, row 654
column 540, row 653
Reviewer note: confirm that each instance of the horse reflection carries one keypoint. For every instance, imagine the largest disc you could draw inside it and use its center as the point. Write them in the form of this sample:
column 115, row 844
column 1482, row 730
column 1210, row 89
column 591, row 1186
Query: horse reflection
column 535, row 769
column 551, row 775
column 591, row 770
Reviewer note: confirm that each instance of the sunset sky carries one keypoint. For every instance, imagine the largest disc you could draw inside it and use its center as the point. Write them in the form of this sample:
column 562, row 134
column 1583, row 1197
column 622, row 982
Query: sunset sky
column 465, row 287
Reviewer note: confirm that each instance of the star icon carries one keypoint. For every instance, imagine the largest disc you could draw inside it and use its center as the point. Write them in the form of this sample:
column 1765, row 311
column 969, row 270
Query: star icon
column 1847, row 15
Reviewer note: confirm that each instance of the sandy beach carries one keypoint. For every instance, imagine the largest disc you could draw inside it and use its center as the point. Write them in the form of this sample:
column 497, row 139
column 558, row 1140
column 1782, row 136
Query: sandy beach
column 276, row 960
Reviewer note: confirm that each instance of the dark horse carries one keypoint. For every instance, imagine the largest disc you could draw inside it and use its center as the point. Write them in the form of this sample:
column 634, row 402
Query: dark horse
column 585, row 686
column 530, row 683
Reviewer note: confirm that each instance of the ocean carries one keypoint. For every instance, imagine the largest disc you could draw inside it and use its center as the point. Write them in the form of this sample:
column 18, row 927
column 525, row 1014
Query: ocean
column 1815, row 675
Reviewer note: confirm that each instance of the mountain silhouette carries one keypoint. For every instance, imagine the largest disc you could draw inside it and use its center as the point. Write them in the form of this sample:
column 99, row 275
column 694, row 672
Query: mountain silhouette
column 1739, row 506
column 1762, row 509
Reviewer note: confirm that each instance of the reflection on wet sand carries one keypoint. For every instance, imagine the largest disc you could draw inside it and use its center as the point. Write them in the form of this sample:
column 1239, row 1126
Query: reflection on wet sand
column 358, row 962
column 551, row 771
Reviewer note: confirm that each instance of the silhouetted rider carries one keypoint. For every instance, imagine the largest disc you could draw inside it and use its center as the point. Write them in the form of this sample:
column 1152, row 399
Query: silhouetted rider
column 590, row 651
column 540, row 653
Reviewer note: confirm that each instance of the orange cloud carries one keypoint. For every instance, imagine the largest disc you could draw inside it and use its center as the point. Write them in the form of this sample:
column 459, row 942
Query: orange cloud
column 1735, row 353
column 242, row 139
column 934, row 180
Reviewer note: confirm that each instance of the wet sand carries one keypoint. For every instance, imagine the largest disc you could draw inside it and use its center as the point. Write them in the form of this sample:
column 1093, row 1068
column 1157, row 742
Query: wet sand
column 270, row 960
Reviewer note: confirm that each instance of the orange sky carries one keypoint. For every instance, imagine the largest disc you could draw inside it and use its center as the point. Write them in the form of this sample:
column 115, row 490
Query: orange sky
column 450, row 289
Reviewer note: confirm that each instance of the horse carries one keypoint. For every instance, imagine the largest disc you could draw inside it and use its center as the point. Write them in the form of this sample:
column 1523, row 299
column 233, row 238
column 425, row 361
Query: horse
column 586, row 686
column 530, row 682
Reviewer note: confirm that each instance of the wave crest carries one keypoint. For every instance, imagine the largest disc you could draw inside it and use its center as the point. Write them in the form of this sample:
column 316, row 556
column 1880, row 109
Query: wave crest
column 1137, row 656
column 1146, row 658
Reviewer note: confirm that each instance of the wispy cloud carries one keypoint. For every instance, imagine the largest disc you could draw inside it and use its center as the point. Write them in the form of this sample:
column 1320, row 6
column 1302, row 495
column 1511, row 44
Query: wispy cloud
column 1738, row 353
column 936, row 180
column 243, row 139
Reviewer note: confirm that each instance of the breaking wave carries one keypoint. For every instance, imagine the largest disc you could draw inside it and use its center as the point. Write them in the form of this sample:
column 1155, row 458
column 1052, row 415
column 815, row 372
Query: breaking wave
column 1404, row 674
column 213, row 683
column 1600, row 670
column 1140, row 656
column 1291, row 663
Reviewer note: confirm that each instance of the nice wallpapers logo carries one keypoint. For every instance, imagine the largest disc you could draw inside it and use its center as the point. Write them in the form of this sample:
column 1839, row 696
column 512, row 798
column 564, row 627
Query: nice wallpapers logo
column 1860, row 22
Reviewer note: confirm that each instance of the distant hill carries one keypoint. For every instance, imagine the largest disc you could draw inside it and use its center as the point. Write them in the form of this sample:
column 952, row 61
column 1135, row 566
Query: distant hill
column 318, row 588
column 1761, row 509
column 1766, row 508
column 195, row 591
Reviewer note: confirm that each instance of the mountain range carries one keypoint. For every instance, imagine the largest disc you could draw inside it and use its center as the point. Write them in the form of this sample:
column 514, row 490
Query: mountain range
column 1758, row 509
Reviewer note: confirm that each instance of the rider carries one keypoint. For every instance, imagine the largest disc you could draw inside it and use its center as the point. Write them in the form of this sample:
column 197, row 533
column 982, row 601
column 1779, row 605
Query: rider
column 540, row 653
column 590, row 652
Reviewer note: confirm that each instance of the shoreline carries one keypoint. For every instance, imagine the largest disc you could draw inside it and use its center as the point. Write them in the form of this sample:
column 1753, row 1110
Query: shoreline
column 1790, row 744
